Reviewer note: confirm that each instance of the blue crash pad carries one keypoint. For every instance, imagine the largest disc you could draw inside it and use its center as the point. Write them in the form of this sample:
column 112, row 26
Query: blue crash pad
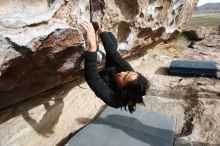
column 116, row 127
column 192, row 68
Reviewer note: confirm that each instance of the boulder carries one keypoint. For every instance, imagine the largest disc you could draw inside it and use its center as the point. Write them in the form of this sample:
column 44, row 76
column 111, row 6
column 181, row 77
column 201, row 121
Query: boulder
column 42, row 43
column 192, row 45
column 198, row 33
column 52, row 117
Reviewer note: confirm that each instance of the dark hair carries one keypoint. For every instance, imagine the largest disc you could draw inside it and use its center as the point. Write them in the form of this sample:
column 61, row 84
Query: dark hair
column 134, row 91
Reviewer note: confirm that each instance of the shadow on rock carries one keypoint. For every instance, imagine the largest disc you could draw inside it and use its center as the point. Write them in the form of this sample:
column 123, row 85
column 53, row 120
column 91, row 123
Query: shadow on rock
column 163, row 71
column 52, row 102
column 46, row 124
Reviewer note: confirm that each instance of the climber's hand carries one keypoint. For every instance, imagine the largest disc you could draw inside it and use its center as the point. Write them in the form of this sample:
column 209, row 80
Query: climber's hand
column 90, row 36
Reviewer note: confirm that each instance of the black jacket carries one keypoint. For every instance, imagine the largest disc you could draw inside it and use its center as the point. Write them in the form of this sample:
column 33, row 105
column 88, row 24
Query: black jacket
column 103, row 83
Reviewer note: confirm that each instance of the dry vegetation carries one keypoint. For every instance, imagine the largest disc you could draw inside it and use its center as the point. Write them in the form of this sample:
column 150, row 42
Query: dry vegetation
column 205, row 19
column 202, row 19
column 174, row 46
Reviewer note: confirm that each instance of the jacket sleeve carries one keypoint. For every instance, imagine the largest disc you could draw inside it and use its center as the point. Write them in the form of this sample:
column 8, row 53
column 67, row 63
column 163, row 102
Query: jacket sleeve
column 95, row 82
column 113, row 54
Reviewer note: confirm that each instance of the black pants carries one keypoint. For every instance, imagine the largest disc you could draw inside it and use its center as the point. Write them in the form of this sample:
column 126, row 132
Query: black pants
column 109, row 62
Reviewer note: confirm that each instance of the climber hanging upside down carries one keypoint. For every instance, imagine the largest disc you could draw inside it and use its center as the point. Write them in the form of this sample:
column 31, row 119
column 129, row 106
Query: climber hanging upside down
column 118, row 85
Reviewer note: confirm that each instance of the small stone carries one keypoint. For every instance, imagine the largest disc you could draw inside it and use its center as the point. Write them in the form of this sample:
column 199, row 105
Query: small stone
column 193, row 45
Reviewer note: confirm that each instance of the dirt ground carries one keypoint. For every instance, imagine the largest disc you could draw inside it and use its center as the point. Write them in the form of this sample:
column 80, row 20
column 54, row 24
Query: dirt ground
column 194, row 101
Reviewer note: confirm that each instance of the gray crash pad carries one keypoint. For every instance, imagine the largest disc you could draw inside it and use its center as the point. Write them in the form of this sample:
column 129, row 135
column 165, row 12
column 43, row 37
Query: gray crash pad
column 116, row 127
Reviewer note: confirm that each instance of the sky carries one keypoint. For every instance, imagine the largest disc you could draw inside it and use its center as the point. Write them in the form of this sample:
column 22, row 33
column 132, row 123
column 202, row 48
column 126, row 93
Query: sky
column 202, row 2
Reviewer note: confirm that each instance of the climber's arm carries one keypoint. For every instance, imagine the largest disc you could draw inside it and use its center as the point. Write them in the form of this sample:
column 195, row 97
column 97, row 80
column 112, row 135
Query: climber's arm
column 92, row 76
column 96, row 83
column 110, row 45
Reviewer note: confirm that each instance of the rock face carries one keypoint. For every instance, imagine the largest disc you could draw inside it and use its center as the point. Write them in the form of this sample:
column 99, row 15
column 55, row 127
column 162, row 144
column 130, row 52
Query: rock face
column 42, row 43
column 199, row 33
column 48, row 118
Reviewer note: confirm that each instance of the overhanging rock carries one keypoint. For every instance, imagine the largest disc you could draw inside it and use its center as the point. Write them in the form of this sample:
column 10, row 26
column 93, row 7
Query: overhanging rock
column 42, row 44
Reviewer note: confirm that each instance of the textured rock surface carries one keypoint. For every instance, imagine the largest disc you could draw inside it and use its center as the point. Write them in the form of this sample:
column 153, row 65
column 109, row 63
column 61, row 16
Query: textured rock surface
column 48, row 118
column 42, row 44
column 199, row 33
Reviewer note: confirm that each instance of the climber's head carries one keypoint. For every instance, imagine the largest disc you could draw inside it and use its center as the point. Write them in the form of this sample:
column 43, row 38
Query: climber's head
column 133, row 87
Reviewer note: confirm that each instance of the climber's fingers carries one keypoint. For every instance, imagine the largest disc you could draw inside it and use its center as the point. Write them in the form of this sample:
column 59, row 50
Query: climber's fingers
column 85, row 27
column 90, row 35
